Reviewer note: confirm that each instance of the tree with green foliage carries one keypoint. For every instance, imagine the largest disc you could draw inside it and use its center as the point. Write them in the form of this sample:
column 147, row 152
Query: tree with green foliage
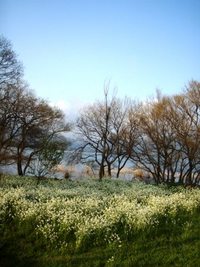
column 48, row 158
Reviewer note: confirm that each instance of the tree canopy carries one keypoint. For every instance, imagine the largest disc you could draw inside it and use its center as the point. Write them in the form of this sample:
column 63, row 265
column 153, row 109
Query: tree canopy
column 28, row 125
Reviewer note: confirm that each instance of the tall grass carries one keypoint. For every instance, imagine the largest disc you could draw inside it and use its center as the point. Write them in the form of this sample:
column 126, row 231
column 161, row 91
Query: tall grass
column 92, row 223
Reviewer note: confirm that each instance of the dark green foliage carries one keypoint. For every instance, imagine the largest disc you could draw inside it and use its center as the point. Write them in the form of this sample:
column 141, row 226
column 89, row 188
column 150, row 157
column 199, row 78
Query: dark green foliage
column 164, row 247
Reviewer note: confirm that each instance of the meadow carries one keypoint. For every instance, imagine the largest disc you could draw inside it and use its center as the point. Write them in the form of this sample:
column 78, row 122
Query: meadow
column 91, row 223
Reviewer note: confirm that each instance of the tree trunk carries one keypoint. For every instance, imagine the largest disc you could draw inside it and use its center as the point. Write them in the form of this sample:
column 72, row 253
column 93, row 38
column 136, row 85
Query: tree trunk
column 101, row 169
column 19, row 159
column 118, row 172
column 19, row 167
column 189, row 175
column 109, row 170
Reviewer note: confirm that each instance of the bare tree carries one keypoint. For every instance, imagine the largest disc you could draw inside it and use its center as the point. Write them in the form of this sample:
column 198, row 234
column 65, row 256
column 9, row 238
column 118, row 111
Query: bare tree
column 186, row 124
column 93, row 126
column 156, row 149
column 10, row 77
column 10, row 97
column 38, row 122
column 102, row 129
column 169, row 139
column 25, row 121
column 125, row 133
column 10, row 68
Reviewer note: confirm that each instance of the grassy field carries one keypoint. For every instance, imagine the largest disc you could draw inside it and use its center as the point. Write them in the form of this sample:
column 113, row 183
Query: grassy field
column 92, row 223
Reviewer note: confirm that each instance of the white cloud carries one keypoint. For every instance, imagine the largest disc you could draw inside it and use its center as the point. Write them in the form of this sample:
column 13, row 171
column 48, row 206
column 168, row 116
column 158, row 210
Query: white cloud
column 71, row 109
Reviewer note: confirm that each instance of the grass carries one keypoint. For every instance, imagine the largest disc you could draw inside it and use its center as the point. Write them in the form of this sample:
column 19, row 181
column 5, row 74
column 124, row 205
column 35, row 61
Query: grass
column 88, row 223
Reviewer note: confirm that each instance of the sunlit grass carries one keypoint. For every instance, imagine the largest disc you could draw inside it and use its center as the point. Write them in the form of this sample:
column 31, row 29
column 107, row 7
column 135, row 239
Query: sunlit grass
column 92, row 223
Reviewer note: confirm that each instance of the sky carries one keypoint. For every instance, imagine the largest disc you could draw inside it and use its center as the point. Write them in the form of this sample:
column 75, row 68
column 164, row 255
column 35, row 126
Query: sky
column 70, row 48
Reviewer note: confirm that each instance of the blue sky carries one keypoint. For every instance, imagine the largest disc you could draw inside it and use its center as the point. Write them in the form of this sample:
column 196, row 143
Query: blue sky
column 70, row 47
